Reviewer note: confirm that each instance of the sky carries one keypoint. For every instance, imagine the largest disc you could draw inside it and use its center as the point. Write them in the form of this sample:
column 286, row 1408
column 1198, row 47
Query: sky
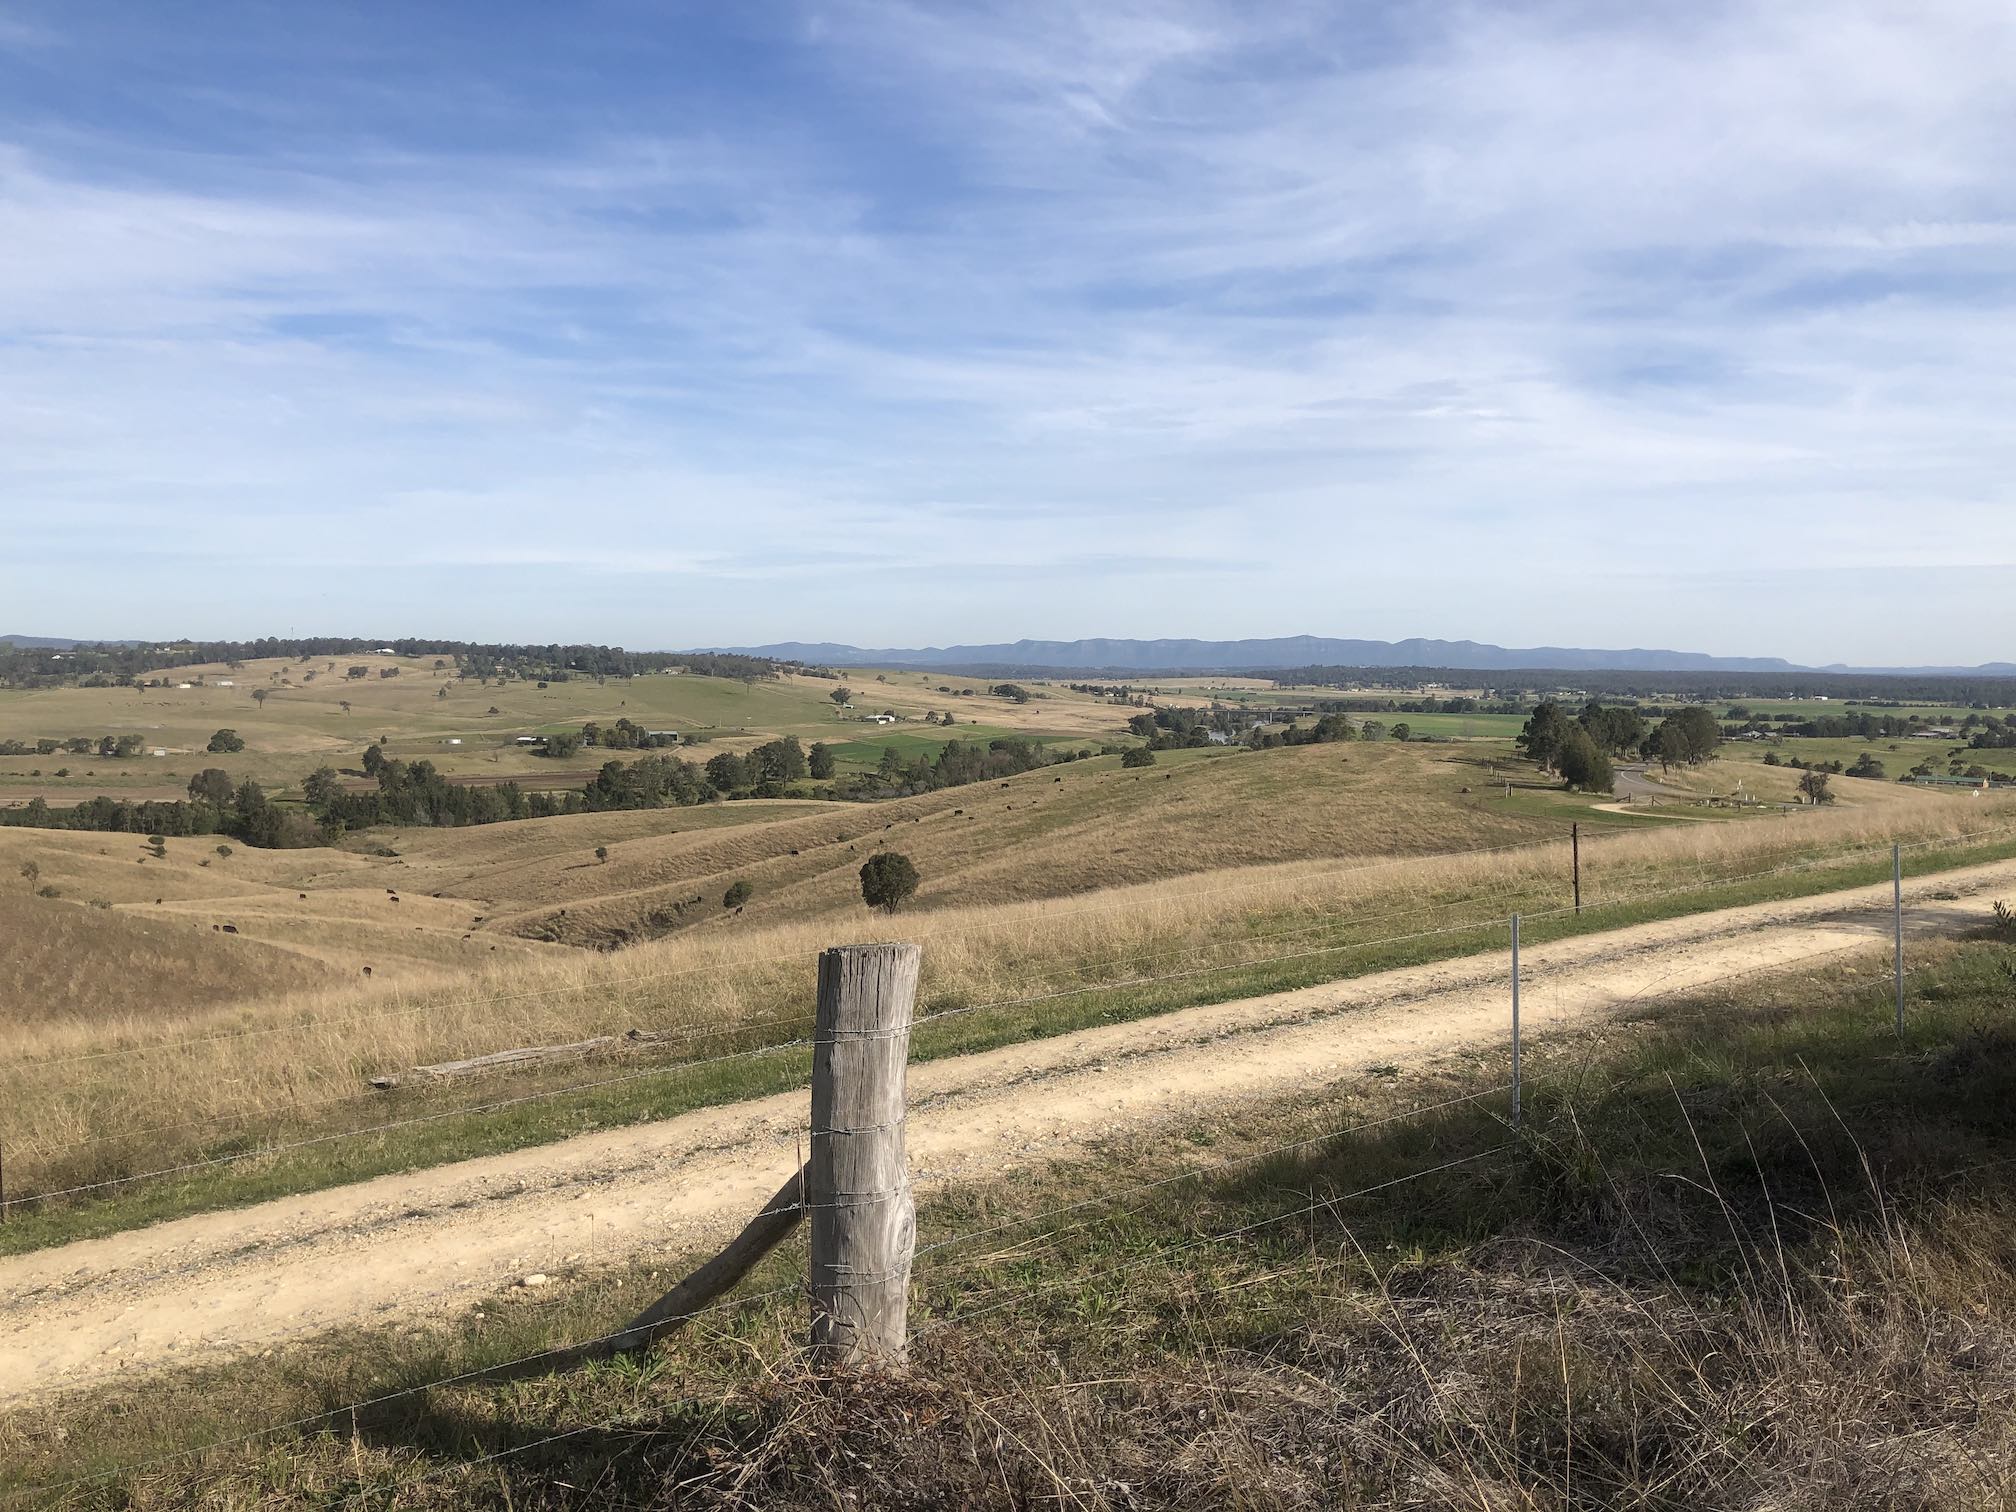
column 663, row 325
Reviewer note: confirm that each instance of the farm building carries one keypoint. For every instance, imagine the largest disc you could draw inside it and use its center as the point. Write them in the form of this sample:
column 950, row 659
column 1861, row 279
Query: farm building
column 529, row 740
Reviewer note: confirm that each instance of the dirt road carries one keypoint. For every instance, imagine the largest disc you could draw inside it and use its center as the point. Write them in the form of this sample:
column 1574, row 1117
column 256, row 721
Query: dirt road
column 416, row 1246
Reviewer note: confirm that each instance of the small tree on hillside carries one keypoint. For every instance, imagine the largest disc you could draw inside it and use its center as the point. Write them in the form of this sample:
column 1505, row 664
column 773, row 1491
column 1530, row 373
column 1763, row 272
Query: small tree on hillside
column 738, row 893
column 820, row 759
column 888, row 880
column 1814, row 786
column 32, row 872
column 225, row 741
column 1137, row 756
column 841, row 696
column 602, row 854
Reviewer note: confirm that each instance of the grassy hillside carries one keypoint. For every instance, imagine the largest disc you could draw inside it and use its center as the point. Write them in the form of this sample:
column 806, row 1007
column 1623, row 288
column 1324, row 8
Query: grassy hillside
column 1746, row 1252
column 93, row 1101
column 1066, row 830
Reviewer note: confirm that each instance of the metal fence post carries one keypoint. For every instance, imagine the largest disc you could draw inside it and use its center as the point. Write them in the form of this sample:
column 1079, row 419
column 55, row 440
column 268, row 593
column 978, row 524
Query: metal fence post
column 1897, row 918
column 1575, row 846
column 1515, row 1021
column 864, row 1224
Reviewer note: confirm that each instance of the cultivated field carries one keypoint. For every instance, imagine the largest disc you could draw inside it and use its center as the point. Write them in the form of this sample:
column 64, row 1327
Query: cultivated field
column 300, row 725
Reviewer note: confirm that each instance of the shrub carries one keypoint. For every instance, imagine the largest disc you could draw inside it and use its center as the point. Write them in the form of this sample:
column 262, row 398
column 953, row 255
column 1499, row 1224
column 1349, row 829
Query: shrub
column 738, row 893
column 1137, row 756
column 887, row 880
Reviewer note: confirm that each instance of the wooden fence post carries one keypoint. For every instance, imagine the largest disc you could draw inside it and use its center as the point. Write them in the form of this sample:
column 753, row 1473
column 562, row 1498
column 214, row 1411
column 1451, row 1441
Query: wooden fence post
column 864, row 1224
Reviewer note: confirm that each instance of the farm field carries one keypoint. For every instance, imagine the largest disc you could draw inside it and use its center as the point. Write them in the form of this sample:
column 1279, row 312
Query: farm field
column 1898, row 756
column 426, row 712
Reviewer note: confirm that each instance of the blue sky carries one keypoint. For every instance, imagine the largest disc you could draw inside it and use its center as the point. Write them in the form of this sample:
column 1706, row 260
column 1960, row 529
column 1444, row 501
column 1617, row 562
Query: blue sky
column 666, row 324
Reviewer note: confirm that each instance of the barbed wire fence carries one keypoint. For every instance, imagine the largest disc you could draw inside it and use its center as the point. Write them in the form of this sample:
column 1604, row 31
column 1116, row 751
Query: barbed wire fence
column 803, row 1043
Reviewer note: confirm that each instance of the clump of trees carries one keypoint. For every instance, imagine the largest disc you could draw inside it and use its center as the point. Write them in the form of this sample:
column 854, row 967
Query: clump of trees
column 957, row 763
column 1583, row 750
column 764, row 772
column 1137, row 756
column 111, row 747
column 1688, row 736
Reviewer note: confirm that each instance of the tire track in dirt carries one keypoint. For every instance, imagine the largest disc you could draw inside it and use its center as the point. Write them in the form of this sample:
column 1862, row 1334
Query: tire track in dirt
column 410, row 1247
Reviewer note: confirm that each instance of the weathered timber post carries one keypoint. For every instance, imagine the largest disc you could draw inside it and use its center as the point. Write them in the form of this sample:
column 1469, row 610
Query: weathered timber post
column 864, row 1223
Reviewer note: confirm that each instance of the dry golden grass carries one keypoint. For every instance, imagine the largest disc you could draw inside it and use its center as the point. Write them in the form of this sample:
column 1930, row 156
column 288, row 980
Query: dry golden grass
column 296, row 1056
column 1078, row 828
column 71, row 965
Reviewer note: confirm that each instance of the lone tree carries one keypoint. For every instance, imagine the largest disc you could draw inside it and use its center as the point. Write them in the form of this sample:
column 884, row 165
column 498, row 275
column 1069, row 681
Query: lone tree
column 1814, row 786
column 738, row 893
column 602, row 854
column 1137, row 756
column 887, row 881
column 32, row 871
column 225, row 741
column 820, row 759
column 841, row 696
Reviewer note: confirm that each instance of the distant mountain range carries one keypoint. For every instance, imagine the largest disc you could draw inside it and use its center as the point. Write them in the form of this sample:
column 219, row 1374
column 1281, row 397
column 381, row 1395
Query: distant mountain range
column 1310, row 651
column 56, row 642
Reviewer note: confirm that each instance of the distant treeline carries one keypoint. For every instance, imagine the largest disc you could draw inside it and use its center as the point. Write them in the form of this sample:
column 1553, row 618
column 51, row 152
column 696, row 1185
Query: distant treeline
column 1931, row 688
column 110, row 665
column 416, row 793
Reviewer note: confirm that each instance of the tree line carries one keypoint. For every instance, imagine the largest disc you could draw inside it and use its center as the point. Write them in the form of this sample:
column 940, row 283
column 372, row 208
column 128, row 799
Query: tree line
column 109, row 665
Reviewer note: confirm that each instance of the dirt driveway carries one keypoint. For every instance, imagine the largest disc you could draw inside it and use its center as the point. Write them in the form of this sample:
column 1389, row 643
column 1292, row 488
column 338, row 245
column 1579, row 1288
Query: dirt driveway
column 412, row 1247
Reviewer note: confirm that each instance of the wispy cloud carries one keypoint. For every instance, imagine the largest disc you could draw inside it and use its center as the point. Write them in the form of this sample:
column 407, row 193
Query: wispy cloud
column 1388, row 320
